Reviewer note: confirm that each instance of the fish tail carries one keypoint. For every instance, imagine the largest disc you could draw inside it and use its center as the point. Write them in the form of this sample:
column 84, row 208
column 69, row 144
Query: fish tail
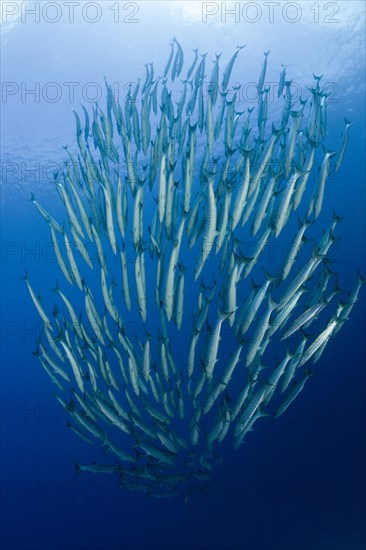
column 309, row 372
column 57, row 288
column 360, row 279
column 271, row 303
column 275, row 131
column 76, row 464
column 305, row 239
column 314, row 144
column 269, row 277
column 225, row 314
column 337, row 218
column 328, row 152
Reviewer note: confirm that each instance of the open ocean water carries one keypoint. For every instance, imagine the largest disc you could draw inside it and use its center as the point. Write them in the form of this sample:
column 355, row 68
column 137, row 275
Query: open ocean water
column 298, row 481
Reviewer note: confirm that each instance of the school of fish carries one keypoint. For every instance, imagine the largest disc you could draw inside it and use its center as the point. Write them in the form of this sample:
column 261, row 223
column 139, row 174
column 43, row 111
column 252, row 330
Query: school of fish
column 179, row 175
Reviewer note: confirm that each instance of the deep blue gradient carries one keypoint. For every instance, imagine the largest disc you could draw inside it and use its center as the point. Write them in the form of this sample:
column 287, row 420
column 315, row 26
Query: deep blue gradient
column 298, row 482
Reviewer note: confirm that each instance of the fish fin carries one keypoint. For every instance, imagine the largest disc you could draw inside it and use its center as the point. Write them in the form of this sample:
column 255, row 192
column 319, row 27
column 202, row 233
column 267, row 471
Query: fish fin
column 225, row 314
column 269, row 277
column 306, row 336
column 76, row 464
column 337, row 218
column 241, row 259
column 328, row 152
column 300, row 224
column 271, row 303
column 275, row 131
column 308, row 372
column 337, row 288
column 295, row 114
column 305, row 239
column 55, row 311
column 253, row 284
column 25, row 278
column 57, row 288
column 360, row 279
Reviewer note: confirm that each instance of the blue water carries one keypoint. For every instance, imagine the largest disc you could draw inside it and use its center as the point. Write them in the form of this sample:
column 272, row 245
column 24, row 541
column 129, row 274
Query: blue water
column 298, row 482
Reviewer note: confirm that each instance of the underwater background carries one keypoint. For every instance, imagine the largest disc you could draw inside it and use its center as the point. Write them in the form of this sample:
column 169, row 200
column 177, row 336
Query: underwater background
column 298, row 482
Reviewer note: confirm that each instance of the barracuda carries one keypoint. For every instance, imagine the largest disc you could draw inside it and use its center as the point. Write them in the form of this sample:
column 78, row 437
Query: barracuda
column 159, row 378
